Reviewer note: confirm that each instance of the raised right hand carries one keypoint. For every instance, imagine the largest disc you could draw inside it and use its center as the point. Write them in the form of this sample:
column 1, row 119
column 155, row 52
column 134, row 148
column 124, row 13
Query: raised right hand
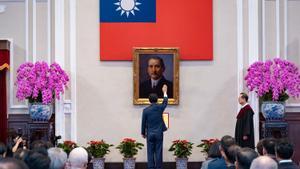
column 165, row 88
column 19, row 140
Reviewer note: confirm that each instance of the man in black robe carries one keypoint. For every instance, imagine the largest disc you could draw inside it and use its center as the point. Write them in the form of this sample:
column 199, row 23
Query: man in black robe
column 244, row 130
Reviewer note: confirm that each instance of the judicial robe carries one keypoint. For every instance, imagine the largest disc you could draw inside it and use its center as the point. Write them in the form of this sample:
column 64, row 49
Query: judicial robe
column 244, row 127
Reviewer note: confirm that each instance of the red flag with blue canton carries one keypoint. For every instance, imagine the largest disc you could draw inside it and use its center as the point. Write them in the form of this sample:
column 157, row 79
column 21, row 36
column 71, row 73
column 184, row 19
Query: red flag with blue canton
column 186, row 24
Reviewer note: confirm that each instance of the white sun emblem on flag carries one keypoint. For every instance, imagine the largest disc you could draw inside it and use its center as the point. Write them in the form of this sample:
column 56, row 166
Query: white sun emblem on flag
column 127, row 6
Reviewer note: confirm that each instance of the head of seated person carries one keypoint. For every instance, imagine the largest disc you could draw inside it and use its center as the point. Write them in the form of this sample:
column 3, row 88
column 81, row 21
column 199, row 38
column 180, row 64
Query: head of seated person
column 36, row 160
column 231, row 154
column 3, row 150
column 40, row 144
column 78, row 158
column 269, row 146
column 226, row 142
column 244, row 158
column 58, row 158
column 284, row 150
column 259, row 147
column 12, row 163
column 214, row 151
column 264, row 162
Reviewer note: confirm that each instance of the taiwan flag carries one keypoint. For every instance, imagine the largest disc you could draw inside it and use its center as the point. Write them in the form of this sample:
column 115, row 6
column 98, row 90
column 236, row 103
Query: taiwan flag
column 185, row 24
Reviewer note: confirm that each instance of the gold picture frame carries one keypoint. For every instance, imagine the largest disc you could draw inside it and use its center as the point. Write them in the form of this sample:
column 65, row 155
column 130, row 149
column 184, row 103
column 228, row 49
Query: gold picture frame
column 169, row 74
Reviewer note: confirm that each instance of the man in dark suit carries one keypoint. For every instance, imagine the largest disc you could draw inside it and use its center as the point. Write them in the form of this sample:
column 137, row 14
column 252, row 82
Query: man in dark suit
column 155, row 70
column 153, row 127
column 284, row 152
column 269, row 148
column 219, row 163
column 244, row 158
column 230, row 155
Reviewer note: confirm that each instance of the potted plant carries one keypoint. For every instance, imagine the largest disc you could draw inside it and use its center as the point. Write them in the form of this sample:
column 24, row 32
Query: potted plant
column 273, row 81
column 98, row 150
column 182, row 150
column 67, row 146
column 129, row 148
column 40, row 84
column 206, row 144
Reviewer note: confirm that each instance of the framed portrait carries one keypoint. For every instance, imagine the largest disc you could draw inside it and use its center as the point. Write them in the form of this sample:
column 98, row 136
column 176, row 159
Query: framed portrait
column 153, row 68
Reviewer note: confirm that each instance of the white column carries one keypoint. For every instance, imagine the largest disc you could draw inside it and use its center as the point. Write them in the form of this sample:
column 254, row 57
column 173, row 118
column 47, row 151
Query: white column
column 285, row 29
column 34, row 31
column 73, row 69
column 277, row 29
column 59, row 55
column 49, row 31
column 240, row 49
column 263, row 4
column 254, row 56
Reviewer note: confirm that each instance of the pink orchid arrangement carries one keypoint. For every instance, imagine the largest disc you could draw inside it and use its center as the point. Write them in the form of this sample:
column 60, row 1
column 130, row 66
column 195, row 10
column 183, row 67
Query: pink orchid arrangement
column 274, row 79
column 40, row 82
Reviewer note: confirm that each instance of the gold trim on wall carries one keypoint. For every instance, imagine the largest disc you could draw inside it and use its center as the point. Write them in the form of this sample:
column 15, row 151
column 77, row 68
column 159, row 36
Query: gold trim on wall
column 5, row 65
column 136, row 73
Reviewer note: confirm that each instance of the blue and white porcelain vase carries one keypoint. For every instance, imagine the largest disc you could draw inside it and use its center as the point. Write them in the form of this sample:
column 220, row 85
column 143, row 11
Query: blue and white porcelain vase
column 129, row 163
column 40, row 111
column 181, row 163
column 98, row 163
column 273, row 111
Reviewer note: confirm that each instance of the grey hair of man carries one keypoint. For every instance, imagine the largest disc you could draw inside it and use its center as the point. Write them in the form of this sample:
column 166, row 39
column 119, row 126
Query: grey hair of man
column 78, row 158
column 263, row 162
column 58, row 158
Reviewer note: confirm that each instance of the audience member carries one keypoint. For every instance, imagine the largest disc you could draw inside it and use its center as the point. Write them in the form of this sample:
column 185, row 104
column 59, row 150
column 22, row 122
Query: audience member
column 264, row 162
column 244, row 158
column 284, row 152
column 36, row 160
column 230, row 156
column 11, row 163
column 12, row 134
column 21, row 154
column 78, row 158
column 269, row 147
column 19, row 142
column 259, row 147
column 40, row 144
column 58, row 158
column 226, row 142
column 212, row 155
column 3, row 150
